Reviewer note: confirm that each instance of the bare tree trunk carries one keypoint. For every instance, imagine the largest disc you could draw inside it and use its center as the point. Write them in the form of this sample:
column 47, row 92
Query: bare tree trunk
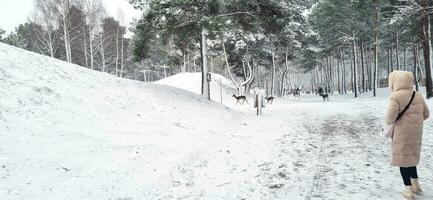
column 351, row 70
column 259, row 79
column 117, row 49
column 355, row 68
column 164, row 69
column 122, row 59
column 228, row 69
column 415, row 66
column 344, row 71
column 404, row 58
column 249, row 84
column 85, row 46
column 245, row 70
column 392, row 64
column 144, row 76
column 211, row 65
column 419, row 70
column 102, row 50
column 397, row 47
column 273, row 73
column 330, row 75
column 389, row 64
column 376, row 67
column 92, row 57
column 425, row 22
column 66, row 37
column 313, row 82
column 338, row 72
column 51, row 44
column 205, row 75
column 284, row 74
column 184, row 63
column 327, row 75
column 370, row 68
column 194, row 65
column 188, row 63
column 362, row 67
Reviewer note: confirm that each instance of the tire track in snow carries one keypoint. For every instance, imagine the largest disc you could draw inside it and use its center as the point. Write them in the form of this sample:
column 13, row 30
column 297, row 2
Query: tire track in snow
column 334, row 131
column 318, row 171
column 326, row 127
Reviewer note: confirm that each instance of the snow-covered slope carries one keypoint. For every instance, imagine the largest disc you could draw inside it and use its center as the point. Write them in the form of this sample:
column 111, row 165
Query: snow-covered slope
column 67, row 132
column 70, row 133
column 192, row 82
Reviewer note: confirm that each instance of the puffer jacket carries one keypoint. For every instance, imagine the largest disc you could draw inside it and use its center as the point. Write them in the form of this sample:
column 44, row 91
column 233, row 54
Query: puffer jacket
column 407, row 139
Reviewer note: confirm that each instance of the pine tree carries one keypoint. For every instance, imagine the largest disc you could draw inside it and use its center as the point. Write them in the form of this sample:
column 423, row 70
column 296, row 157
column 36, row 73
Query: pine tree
column 2, row 32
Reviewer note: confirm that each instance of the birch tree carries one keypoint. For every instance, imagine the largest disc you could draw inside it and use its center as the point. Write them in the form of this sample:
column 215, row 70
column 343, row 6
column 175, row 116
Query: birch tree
column 62, row 10
column 93, row 12
column 47, row 36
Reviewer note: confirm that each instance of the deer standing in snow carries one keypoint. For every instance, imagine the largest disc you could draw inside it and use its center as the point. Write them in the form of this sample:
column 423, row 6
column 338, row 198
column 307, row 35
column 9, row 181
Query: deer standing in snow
column 239, row 98
column 269, row 99
column 324, row 96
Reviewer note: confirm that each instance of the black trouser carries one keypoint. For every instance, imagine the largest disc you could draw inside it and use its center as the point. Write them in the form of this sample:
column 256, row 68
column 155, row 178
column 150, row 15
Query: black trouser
column 407, row 173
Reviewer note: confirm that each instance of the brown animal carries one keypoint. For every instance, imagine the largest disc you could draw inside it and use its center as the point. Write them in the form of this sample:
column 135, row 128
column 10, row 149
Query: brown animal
column 269, row 99
column 239, row 98
column 296, row 93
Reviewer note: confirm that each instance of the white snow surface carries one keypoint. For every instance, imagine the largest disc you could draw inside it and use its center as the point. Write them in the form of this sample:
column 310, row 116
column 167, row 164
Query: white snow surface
column 67, row 132
column 192, row 82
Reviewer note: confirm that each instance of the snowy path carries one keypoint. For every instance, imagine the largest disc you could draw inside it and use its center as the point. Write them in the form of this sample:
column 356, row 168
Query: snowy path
column 330, row 151
column 311, row 149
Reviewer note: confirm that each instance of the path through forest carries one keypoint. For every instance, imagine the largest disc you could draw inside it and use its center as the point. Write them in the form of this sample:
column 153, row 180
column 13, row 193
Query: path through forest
column 70, row 133
column 331, row 150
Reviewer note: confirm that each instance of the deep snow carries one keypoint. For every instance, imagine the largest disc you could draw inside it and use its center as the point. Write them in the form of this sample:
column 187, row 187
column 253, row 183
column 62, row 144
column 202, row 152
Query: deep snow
column 220, row 87
column 67, row 132
column 71, row 133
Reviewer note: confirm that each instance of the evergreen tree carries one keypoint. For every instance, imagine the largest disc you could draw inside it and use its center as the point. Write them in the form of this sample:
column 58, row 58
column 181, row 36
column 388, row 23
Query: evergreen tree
column 184, row 22
column 2, row 32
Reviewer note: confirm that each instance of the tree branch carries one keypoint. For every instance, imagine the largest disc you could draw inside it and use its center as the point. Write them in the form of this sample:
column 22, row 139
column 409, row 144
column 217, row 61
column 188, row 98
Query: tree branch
column 235, row 13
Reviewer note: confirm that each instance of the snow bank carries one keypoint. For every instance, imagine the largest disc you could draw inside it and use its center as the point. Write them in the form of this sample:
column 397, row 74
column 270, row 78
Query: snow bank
column 67, row 132
column 192, row 82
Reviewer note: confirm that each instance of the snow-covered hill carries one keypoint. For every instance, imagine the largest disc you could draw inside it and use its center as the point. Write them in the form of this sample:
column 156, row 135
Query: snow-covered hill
column 67, row 132
column 192, row 82
column 70, row 133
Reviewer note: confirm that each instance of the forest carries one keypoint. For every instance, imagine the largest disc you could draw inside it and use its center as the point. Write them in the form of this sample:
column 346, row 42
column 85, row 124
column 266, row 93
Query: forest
column 216, row 99
column 344, row 46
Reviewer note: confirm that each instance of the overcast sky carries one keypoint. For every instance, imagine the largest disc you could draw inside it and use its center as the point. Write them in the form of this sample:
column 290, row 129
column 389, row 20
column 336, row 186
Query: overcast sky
column 15, row 12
